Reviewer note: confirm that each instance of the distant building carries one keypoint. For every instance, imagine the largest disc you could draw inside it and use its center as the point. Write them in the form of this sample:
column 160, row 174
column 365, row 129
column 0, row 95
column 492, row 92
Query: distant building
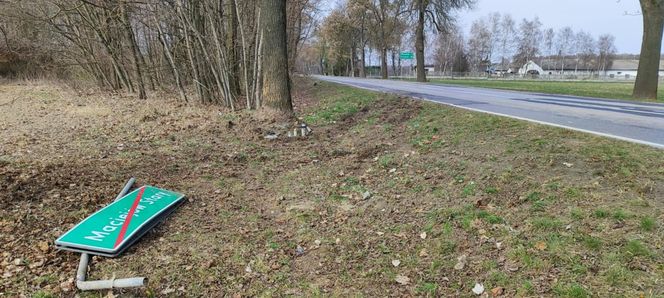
column 628, row 68
column 531, row 68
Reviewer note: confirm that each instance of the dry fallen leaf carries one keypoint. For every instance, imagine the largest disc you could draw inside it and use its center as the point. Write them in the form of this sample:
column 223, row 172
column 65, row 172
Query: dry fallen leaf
column 403, row 280
column 461, row 262
column 43, row 246
column 424, row 253
column 498, row 291
column 541, row 245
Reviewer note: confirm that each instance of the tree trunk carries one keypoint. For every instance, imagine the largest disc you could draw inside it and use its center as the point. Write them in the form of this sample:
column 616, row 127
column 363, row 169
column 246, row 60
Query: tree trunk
column 276, row 82
column 419, row 42
column 363, row 58
column 232, row 44
column 383, row 63
column 647, row 79
column 135, row 52
column 352, row 62
column 394, row 63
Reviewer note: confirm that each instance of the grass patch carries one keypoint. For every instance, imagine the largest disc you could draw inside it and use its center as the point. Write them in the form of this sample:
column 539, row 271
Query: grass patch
column 546, row 224
column 613, row 90
column 601, row 213
column 636, row 248
column 571, row 291
column 341, row 104
column 648, row 224
column 592, row 243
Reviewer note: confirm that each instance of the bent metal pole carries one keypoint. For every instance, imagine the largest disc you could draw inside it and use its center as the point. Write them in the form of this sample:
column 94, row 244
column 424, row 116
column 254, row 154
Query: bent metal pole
column 81, row 273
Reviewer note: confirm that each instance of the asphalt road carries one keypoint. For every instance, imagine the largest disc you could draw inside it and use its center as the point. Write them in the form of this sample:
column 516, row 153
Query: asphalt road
column 641, row 123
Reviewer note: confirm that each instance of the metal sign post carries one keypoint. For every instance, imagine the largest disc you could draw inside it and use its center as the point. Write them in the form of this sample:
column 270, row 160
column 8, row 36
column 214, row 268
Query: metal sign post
column 408, row 56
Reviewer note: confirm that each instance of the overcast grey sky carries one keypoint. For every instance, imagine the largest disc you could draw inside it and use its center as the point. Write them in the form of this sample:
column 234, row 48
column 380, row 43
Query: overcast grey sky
column 594, row 16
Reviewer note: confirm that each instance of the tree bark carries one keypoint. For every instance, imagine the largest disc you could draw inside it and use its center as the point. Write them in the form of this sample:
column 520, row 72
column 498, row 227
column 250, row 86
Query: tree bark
column 363, row 44
column 135, row 51
column 276, row 81
column 383, row 63
column 419, row 42
column 647, row 79
column 363, row 60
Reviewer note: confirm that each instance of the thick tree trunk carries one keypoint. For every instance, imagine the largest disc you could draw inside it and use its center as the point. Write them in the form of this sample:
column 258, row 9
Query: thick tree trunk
column 276, row 82
column 647, row 78
column 419, row 42
column 383, row 63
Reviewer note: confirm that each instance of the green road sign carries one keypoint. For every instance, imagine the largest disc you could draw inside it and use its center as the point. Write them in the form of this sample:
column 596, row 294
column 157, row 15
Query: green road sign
column 117, row 225
column 407, row 55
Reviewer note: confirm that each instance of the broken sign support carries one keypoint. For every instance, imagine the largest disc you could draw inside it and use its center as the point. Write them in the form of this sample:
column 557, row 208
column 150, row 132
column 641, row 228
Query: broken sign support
column 81, row 273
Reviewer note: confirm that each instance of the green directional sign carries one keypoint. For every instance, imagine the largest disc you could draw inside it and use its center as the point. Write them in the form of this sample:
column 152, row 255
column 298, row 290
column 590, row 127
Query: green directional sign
column 112, row 228
column 406, row 55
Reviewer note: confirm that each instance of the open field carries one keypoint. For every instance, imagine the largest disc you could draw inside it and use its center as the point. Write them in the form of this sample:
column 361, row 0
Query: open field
column 385, row 189
column 613, row 90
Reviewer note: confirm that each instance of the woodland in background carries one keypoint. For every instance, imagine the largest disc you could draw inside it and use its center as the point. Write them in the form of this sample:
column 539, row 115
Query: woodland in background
column 496, row 40
column 208, row 49
column 216, row 52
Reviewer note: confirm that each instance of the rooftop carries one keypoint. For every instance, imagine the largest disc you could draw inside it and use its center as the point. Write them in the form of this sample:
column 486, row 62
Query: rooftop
column 631, row 64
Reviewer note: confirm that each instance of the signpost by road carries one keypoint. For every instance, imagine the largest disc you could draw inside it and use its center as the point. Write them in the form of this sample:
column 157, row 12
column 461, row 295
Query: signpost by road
column 114, row 228
column 406, row 55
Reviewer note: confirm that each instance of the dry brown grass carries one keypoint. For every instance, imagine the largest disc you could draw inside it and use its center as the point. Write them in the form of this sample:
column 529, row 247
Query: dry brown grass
column 468, row 180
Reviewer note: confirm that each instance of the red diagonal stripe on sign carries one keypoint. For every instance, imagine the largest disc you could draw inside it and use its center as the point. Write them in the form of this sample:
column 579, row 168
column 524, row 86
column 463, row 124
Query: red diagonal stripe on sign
column 129, row 216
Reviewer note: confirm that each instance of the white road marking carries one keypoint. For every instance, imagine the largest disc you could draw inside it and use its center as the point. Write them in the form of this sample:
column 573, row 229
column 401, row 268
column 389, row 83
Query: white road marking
column 608, row 135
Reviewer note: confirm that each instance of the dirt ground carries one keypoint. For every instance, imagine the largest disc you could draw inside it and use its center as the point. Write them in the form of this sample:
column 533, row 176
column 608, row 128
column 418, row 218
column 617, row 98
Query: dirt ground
column 388, row 197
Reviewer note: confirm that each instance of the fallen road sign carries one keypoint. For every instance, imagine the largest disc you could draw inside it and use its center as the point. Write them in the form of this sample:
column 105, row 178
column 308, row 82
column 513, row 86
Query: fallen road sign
column 117, row 226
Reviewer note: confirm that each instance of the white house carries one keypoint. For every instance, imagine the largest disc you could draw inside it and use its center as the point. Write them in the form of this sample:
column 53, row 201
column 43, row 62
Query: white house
column 531, row 68
column 628, row 69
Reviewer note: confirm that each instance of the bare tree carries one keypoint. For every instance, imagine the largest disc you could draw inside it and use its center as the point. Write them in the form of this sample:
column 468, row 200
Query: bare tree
column 530, row 35
column 548, row 41
column 450, row 55
column 479, row 46
column 607, row 50
column 507, row 39
column 440, row 14
column 564, row 47
column 386, row 17
column 586, row 50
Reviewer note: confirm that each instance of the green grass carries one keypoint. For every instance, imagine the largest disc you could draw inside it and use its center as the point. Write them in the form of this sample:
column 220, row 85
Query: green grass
column 615, row 90
column 648, row 224
column 572, row 291
column 490, row 158
column 341, row 104
column 637, row 249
